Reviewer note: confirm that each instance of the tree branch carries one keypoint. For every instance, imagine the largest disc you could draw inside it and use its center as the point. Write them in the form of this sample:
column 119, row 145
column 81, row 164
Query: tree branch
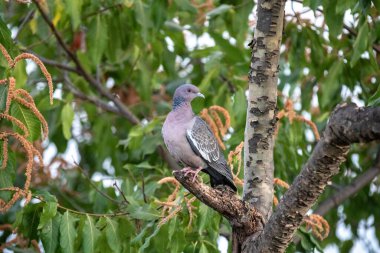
column 244, row 218
column 94, row 100
column 349, row 190
column 348, row 124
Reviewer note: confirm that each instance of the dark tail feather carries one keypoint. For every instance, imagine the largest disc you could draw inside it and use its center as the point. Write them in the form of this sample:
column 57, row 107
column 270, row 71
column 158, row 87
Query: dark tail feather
column 218, row 179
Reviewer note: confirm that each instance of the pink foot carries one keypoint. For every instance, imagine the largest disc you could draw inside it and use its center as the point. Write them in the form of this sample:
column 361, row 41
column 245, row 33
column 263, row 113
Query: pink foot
column 189, row 170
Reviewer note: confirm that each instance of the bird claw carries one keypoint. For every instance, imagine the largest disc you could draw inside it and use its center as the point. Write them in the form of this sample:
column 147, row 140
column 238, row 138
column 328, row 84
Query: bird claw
column 189, row 170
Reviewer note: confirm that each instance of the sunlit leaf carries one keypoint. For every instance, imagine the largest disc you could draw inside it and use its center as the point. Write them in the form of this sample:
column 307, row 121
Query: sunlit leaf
column 67, row 117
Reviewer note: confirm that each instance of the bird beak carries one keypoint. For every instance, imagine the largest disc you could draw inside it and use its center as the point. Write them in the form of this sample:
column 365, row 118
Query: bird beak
column 200, row 95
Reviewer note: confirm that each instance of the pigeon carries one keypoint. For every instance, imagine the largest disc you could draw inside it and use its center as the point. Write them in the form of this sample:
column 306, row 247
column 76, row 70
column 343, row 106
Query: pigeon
column 190, row 141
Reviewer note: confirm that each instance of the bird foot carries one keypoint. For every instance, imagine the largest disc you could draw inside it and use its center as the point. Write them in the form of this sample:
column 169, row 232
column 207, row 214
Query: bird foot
column 189, row 170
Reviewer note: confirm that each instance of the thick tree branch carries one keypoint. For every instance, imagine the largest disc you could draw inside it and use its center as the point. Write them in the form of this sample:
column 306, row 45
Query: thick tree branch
column 81, row 71
column 348, row 124
column 349, row 190
column 244, row 219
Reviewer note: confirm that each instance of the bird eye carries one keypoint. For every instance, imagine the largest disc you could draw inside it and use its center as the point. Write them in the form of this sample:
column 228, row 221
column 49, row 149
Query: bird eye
column 188, row 90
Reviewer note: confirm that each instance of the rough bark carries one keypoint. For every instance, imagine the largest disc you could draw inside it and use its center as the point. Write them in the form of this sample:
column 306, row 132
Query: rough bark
column 262, row 100
column 244, row 219
column 348, row 124
column 348, row 191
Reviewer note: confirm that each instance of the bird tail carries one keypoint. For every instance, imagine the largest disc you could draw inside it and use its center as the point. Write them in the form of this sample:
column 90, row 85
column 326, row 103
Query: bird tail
column 218, row 179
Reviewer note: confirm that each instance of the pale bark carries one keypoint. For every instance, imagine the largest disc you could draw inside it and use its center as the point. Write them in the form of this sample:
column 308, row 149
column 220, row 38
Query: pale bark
column 261, row 109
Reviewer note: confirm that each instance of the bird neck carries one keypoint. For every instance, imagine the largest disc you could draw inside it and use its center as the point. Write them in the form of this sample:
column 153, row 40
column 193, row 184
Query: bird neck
column 182, row 108
column 178, row 102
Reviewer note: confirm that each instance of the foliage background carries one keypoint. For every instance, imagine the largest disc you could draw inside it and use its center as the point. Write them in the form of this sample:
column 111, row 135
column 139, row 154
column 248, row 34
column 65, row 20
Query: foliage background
column 141, row 51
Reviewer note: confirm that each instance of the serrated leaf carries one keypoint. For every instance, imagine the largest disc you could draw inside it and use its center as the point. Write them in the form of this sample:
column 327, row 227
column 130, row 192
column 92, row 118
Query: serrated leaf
column 360, row 44
column 67, row 117
column 49, row 234
column 147, row 240
column 90, row 235
column 219, row 10
column 143, row 212
column 5, row 36
column 49, row 210
column 3, row 96
column 26, row 116
column 98, row 39
column 68, row 233
column 73, row 8
column 7, row 176
column 112, row 234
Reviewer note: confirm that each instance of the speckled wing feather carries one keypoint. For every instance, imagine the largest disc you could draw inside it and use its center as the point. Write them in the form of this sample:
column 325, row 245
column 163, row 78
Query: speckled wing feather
column 204, row 144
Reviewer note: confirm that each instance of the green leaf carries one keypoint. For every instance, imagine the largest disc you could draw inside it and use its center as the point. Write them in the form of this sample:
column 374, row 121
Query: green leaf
column 203, row 248
column 90, row 235
column 67, row 117
column 333, row 20
column 360, row 44
column 7, row 175
column 49, row 234
column 3, row 96
column 73, row 8
column 143, row 212
column 68, row 233
column 28, row 219
column 331, row 83
column 5, row 36
column 148, row 239
column 142, row 17
column 49, row 210
column 112, row 234
column 374, row 100
column 98, row 39
column 377, row 4
column 219, row 10
column 26, row 116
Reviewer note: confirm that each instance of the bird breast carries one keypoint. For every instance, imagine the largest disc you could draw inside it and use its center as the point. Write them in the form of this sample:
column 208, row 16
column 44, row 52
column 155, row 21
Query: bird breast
column 174, row 135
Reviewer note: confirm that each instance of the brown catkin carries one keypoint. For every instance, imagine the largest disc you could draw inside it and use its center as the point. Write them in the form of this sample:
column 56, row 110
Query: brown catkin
column 42, row 67
column 17, row 122
column 225, row 114
column 25, row 95
column 12, row 85
column 5, row 153
column 204, row 115
column 6, row 55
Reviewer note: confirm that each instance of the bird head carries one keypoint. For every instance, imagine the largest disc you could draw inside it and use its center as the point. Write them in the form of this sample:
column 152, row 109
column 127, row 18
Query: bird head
column 187, row 92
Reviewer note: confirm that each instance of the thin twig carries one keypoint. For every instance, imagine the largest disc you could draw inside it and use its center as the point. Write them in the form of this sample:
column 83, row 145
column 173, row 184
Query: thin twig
column 27, row 18
column 93, row 185
column 94, row 100
column 121, row 192
column 83, row 213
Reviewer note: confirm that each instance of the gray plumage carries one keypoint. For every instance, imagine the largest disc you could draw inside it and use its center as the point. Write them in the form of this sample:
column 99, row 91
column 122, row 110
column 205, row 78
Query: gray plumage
column 191, row 142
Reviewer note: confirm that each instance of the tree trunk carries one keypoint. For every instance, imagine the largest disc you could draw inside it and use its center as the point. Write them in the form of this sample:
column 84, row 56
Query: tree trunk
column 261, row 109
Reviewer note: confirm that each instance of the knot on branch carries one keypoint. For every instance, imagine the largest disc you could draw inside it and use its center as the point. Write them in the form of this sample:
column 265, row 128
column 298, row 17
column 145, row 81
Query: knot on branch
column 244, row 219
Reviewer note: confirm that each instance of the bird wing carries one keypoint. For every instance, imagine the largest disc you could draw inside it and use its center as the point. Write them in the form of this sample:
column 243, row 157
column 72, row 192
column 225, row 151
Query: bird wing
column 204, row 144
column 203, row 141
